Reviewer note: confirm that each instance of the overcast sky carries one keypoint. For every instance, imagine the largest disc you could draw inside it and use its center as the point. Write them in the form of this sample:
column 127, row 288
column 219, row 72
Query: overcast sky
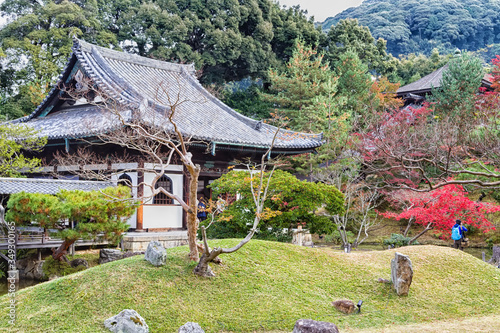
column 321, row 9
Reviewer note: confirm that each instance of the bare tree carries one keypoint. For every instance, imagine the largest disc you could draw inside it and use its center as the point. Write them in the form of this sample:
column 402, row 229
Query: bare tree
column 262, row 180
column 359, row 199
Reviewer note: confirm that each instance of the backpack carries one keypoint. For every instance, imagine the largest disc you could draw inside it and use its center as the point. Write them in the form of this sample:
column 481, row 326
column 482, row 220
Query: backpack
column 455, row 233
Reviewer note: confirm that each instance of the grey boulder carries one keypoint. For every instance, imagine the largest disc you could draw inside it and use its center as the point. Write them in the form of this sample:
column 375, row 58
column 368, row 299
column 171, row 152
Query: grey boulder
column 127, row 321
column 107, row 255
column 156, row 254
column 190, row 327
column 313, row 326
column 401, row 274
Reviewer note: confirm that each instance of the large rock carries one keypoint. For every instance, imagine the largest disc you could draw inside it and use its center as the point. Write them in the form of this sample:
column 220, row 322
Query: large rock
column 127, row 321
column 313, row 326
column 190, row 327
column 38, row 271
column 495, row 257
column 156, row 254
column 30, row 269
column 344, row 305
column 401, row 274
column 107, row 255
column 79, row 262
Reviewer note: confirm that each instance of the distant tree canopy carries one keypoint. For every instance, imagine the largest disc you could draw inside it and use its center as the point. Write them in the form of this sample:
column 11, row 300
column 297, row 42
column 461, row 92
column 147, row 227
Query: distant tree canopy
column 227, row 40
column 419, row 26
column 349, row 36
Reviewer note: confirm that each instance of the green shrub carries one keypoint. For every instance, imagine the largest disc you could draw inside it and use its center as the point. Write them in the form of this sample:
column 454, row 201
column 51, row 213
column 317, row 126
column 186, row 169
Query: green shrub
column 274, row 234
column 335, row 237
column 398, row 240
column 59, row 268
column 228, row 229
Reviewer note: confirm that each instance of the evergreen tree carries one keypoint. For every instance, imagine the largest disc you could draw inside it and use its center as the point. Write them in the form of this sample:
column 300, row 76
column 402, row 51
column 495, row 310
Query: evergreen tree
column 354, row 84
column 92, row 213
column 459, row 85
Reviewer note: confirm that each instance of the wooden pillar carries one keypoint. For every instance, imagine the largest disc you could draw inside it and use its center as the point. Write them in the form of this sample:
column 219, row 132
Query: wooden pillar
column 140, row 195
column 140, row 214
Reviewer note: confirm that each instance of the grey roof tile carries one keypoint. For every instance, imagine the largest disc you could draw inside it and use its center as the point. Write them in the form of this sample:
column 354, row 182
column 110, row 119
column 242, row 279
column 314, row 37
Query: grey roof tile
column 48, row 186
column 424, row 84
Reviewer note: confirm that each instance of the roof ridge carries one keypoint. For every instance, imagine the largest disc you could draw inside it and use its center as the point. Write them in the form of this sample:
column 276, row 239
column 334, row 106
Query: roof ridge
column 134, row 58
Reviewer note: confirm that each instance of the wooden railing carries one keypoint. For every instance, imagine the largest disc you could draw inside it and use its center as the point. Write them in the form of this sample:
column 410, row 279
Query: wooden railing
column 40, row 240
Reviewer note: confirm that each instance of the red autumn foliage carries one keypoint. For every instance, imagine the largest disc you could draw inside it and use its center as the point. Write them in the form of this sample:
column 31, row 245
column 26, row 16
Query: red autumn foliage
column 443, row 206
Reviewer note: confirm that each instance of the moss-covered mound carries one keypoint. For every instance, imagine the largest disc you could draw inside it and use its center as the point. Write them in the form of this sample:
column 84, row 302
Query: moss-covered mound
column 265, row 286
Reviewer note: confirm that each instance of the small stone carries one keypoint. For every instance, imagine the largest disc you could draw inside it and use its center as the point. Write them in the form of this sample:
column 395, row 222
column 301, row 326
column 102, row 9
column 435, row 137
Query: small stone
column 108, row 255
column 79, row 262
column 313, row 326
column 344, row 305
column 127, row 321
column 156, row 254
column 190, row 327
column 401, row 274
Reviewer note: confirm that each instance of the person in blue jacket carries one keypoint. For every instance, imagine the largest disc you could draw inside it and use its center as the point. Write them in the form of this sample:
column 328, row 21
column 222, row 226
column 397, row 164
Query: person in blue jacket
column 202, row 209
column 457, row 234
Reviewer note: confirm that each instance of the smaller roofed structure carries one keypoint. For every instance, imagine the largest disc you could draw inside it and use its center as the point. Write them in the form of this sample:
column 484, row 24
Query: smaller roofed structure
column 418, row 90
column 48, row 186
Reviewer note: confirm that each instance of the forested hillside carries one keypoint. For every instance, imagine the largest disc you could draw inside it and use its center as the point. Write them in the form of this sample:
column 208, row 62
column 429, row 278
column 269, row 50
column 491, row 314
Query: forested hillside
column 419, row 26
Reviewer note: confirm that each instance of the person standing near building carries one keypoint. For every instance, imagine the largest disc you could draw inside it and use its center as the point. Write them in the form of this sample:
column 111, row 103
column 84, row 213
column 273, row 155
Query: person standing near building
column 457, row 234
column 202, row 209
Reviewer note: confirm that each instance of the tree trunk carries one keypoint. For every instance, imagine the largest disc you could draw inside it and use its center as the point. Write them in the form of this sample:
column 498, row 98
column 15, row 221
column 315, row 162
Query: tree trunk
column 192, row 219
column 429, row 227
column 410, row 222
column 203, row 268
column 60, row 253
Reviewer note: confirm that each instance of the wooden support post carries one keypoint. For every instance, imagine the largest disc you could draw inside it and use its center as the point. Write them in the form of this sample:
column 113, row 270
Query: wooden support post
column 39, row 253
column 140, row 195
column 484, row 256
column 140, row 214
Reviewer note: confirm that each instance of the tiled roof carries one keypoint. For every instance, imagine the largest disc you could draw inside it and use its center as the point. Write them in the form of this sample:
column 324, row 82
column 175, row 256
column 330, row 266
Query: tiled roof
column 48, row 186
column 143, row 87
column 426, row 83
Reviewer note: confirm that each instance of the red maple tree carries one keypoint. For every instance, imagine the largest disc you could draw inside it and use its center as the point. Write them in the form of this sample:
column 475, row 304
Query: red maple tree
column 438, row 210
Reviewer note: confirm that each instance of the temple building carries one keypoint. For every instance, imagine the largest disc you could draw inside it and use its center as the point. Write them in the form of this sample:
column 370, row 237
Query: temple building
column 417, row 92
column 72, row 115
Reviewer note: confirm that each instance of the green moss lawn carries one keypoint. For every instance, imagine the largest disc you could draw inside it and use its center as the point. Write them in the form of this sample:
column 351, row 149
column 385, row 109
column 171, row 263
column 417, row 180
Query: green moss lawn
column 266, row 286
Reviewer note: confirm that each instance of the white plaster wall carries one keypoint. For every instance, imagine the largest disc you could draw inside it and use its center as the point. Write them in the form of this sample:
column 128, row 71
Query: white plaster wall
column 132, row 221
column 167, row 216
column 163, row 216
